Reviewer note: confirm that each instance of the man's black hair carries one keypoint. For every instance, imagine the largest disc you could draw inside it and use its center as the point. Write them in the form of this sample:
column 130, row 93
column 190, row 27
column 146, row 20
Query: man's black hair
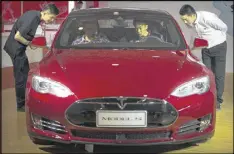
column 52, row 9
column 137, row 21
column 187, row 10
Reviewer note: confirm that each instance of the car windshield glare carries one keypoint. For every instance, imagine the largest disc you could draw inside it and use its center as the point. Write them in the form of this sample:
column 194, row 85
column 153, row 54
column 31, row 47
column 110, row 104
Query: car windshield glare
column 118, row 30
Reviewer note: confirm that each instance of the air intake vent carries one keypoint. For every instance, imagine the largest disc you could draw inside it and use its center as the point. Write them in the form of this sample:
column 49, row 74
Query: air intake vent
column 121, row 135
column 190, row 127
column 47, row 124
column 197, row 125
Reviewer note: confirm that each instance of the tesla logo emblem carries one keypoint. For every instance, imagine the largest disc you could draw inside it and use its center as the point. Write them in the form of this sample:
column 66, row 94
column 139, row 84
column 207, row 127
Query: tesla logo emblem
column 121, row 104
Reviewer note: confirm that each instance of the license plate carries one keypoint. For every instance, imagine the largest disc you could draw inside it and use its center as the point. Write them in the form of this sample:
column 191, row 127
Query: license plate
column 106, row 118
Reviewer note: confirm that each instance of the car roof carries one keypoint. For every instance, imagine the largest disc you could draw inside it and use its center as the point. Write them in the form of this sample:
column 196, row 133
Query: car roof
column 115, row 9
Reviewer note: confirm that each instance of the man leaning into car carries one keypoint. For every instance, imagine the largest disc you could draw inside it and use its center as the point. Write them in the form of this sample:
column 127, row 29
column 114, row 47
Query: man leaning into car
column 20, row 37
column 208, row 26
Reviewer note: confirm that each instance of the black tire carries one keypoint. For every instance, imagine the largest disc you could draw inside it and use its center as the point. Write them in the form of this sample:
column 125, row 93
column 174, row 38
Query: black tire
column 41, row 142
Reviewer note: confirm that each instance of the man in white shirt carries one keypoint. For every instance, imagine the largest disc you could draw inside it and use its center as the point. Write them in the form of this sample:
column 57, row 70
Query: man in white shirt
column 209, row 27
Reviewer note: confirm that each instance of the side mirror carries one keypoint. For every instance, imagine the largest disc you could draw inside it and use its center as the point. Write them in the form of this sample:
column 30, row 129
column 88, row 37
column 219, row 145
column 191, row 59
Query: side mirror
column 200, row 43
column 39, row 42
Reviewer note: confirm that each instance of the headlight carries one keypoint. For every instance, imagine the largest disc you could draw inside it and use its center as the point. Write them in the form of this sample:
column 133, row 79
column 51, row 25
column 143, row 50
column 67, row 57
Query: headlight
column 196, row 86
column 47, row 86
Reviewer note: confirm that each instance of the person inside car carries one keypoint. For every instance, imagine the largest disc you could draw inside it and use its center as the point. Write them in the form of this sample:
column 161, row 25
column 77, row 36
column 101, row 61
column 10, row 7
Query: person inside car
column 91, row 34
column 142, row 29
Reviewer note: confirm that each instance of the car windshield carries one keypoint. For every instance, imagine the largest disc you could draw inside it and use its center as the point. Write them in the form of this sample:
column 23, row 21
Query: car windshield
column 119, row 30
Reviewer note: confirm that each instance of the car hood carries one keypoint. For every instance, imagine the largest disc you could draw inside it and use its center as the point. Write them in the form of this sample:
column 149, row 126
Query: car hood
column 106, row 73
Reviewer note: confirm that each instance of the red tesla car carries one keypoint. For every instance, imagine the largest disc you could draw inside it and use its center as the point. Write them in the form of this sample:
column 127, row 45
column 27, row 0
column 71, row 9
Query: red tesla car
column 120, row 77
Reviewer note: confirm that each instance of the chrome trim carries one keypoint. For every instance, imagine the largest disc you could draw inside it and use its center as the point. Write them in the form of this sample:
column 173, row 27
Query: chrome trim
column 115, row 97
column 189, row 125
column 188, row 128
column 53, row 124
column 121, row 103
column 46, row 124
column 121, row 100
column 54, row 128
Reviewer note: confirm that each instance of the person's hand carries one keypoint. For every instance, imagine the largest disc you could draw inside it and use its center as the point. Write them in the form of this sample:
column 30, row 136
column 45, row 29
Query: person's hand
column 34, row 47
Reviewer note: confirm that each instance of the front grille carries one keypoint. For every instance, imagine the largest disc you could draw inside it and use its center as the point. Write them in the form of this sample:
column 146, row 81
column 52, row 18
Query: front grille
column 47, row 124
column 121, row 135
column 159, row 113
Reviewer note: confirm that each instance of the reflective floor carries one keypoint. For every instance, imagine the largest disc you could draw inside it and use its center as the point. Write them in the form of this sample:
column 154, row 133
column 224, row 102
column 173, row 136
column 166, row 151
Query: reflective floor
column 16, row 140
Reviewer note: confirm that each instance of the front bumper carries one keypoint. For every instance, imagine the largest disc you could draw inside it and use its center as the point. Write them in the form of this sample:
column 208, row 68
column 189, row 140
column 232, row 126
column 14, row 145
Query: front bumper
column 171, row 142
column 179, row 133
column 190, row 111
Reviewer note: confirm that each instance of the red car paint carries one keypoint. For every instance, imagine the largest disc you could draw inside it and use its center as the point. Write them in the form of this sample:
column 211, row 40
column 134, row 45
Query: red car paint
column 107, row 73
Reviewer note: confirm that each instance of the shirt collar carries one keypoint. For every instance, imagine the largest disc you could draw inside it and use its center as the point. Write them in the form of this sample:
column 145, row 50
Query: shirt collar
column 197, row 18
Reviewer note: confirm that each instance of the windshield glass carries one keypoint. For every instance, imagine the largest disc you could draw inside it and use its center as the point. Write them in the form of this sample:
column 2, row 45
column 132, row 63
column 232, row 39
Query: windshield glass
column 119, row 30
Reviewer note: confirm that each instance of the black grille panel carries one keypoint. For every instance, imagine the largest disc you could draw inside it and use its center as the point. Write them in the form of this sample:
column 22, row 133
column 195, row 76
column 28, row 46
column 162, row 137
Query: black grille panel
column 83, row 112
column 121, row 135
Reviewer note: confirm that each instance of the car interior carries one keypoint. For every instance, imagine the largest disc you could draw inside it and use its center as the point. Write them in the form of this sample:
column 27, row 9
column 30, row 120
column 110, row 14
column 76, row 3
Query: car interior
column 116, row 30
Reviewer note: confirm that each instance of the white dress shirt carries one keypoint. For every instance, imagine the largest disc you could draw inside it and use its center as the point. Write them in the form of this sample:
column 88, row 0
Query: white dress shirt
column 209, row 27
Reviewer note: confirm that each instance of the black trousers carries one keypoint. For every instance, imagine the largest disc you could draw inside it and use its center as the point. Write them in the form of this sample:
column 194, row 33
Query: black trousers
column 215, row 59
column 21, row 69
